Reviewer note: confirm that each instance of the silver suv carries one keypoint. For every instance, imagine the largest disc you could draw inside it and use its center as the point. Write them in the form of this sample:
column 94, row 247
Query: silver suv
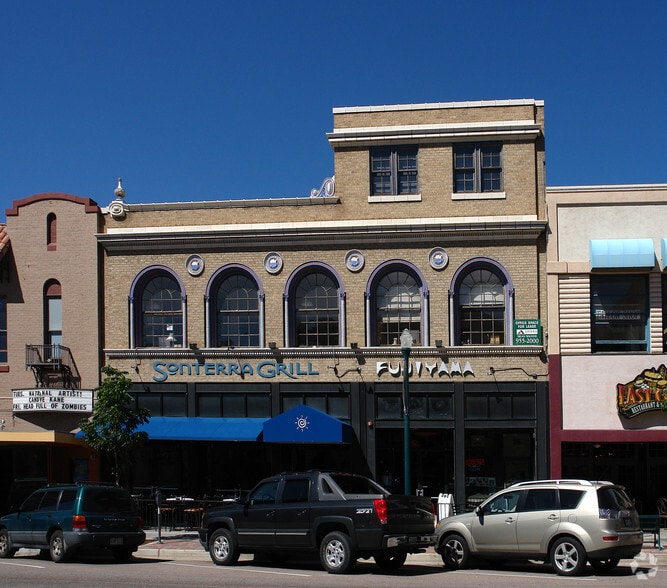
column 564, row 522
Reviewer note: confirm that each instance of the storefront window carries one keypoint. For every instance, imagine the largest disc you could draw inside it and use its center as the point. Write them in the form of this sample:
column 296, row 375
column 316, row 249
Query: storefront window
column 494, row 460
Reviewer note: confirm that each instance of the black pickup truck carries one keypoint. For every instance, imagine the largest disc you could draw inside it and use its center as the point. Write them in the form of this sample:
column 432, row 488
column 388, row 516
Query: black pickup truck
column 343, row 516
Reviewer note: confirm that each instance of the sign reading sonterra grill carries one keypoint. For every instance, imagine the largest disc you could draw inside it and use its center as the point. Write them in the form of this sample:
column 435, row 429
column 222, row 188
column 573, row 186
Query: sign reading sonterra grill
column 647, row 392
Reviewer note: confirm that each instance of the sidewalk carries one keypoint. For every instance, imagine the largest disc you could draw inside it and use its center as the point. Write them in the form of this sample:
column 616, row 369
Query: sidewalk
column 184, row 545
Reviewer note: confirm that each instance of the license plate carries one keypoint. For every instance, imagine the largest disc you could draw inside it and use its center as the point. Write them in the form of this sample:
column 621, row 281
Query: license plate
column 116, row 541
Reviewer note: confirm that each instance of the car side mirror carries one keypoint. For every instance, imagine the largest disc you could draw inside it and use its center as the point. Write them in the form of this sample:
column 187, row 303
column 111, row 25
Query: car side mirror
column 479, row 511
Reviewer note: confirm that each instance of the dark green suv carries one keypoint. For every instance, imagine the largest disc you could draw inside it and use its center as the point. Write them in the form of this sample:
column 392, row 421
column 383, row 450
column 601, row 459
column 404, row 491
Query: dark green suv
column 64, row 520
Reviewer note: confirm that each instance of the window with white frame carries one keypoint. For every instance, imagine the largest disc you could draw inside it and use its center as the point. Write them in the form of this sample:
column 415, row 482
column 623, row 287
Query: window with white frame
column 316, row 310
column 161, row 312
column 394, row 171
column 397, row 307
column 237, row 312
column 478, row 167
column 481, row 308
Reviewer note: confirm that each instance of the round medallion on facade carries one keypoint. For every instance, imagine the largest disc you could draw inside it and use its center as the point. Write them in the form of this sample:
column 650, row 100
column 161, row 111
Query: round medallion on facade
column 273, row 263
column 438, row 258
column 194, row 265
column 354, row 260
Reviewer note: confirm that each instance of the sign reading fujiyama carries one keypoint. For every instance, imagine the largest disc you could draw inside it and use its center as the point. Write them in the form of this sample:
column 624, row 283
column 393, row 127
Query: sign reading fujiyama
column 647, row 392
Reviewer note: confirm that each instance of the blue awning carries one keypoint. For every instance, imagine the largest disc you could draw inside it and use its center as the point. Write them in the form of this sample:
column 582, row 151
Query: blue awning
column 202, row 429
column 663, row 253
column 305, row 424
column 618, row 253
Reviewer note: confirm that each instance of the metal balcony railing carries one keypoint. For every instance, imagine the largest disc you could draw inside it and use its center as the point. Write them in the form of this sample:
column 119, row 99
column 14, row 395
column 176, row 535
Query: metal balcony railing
column 45, row 361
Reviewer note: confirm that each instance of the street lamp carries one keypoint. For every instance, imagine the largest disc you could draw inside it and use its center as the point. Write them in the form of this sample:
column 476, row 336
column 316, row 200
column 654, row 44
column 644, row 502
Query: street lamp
column 406, row 346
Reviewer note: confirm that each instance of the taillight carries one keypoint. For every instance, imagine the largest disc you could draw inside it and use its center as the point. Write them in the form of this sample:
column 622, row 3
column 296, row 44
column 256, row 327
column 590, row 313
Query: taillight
column 380, row 505
column 141, row 522
column 79, row 523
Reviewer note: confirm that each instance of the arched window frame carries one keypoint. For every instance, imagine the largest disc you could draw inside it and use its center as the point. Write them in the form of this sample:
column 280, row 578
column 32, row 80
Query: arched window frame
column 508, row 287
column 371, row 287
column 289, row 300
column 51, row 231
column 136, row 291
column 220, row 275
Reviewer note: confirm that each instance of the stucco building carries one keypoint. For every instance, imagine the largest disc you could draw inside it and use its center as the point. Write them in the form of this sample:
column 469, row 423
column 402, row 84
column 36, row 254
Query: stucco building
column 607, row 290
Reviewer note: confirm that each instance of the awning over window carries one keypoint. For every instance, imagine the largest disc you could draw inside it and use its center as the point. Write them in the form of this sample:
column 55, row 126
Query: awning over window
column 202, row 429
column 663, row 253
column 304, row 424
column 618, row 253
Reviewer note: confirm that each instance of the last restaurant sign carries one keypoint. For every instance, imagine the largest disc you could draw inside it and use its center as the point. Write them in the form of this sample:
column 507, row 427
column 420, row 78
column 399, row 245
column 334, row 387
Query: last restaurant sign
column 647, row 392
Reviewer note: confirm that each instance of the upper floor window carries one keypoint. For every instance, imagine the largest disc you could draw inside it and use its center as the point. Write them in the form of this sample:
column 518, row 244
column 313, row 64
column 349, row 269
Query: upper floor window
column 394, row 171
column 53, row 313
column 237, row 317
column 160, row 312
column 397, row 306
column 51, row 231
column 316, row 310
column 3, row 329
column 478, row 167
column 619, row 313
column 481, row 308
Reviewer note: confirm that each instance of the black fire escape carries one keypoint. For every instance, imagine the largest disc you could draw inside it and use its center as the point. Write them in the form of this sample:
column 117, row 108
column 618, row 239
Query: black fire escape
column 53, row 366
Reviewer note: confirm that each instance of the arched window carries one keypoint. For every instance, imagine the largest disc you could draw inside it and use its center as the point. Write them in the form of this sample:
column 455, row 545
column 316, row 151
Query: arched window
column 481, row 296
column 236, row 320
column 397, row 296
column 51, row 231
column 159, row 312
column 316, row 309
column 53, row 313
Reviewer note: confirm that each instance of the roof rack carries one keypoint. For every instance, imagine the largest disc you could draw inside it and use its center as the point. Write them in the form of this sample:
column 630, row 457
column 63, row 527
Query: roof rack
column 558, row 482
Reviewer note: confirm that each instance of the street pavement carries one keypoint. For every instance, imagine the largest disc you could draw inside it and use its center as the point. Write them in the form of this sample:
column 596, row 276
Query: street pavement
column 184, row 545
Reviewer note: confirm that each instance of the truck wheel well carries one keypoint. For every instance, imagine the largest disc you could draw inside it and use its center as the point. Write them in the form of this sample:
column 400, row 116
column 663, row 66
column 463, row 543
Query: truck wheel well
column 324, row 530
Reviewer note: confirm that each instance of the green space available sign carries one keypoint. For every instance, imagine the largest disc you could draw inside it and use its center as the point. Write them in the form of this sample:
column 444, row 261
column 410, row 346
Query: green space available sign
column 527, row 332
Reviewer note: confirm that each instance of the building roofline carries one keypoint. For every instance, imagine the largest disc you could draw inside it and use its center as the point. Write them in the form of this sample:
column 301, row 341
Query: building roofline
column 89, row 204
column 438, row 105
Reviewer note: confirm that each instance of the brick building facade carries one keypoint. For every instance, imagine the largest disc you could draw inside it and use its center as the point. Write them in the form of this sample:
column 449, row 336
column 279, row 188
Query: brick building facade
column 265, row 334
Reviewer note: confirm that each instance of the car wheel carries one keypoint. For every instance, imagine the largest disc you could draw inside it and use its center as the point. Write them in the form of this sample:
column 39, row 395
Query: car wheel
column 6, row 549
column 454, row 552
column 122, row 554
column 390, row 561
column 567, row 556
column 57, row 547
column 604, row 565
column 336, row 553
column 223, row 549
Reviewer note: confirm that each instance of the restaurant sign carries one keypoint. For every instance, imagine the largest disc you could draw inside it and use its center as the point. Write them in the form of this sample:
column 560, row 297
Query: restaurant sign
column 52, row 400
column 647, row 392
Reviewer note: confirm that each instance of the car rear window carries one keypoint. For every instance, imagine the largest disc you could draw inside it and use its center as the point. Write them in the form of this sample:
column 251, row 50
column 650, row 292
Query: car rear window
column 357, row 485
column 106, row 500
column 569, row 499
column 613, row 499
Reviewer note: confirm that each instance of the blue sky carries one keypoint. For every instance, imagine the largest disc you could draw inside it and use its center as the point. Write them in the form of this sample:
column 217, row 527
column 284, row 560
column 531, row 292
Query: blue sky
column 212, row 100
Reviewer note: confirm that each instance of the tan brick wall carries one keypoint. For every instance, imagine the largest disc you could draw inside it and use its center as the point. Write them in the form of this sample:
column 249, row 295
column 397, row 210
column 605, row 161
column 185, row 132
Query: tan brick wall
column 74, row 265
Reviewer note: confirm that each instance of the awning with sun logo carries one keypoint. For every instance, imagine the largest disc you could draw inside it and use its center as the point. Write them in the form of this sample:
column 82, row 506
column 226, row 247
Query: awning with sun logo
column 305, row 424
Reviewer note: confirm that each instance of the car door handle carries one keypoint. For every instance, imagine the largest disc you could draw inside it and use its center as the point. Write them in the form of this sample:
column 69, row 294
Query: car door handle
column 553, row 517
column 270, row 514
column 301, row 512
column 510, row 520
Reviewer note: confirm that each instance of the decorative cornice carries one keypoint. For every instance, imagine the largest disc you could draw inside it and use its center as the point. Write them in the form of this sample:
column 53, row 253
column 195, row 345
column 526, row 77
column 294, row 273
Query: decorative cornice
column 361, row 232
column 321, row 352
